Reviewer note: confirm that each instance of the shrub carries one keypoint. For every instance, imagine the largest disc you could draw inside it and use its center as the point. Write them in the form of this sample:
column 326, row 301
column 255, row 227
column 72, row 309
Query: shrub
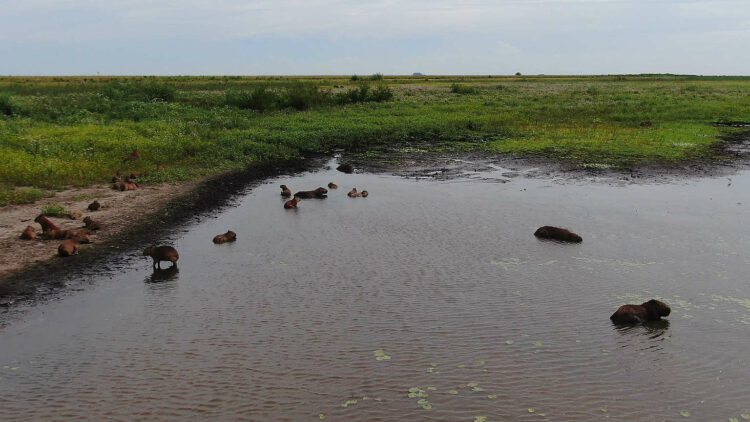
column 462, row 89
column 302, row 96
column 381, row 93
column 260, row 99
column 7, row 105
column 154, row 91
column 19, row 196
column 54, row 210
column 376, row 77
column 355, row 78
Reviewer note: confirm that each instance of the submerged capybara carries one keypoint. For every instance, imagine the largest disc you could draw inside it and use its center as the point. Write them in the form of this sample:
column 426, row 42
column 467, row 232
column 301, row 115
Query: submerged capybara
column 317, row 193
column 285, row 192
column 292, row 203
column 364, row 194
column 94, row 206
column 46, row 223
column 67, row 248
column 333, row 186
column 162, row 253
column 133, row 156
column 229, row 236
column 563, row 235
column 92, row 224
column 652, row 310
column 28, row 233
column 345, row 168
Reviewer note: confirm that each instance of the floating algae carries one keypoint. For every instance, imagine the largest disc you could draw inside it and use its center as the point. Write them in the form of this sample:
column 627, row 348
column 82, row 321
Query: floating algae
column 380, row 355
column 685, row 414
column 509, row 341
column 536, row 343
column 480, row 419
column 348, row 403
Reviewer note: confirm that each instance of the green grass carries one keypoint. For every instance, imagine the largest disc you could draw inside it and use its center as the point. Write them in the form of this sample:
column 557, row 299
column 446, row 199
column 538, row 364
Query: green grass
column 19, row 196
column 54, row 210
column 58, row 132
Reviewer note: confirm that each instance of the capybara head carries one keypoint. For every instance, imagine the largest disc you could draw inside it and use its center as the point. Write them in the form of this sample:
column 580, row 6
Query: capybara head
column 656, row 309
column 28, row 233
column 231, row 235
column 94, row 206
column 333, row 186
column 364, row 194
column 283, row 187
column 321, row 191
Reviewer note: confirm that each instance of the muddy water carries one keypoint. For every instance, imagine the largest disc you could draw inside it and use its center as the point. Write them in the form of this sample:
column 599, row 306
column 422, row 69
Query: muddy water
column 428, row 300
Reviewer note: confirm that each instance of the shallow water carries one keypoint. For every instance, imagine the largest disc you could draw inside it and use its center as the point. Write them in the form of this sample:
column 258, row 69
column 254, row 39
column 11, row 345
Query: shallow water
column 428, row 300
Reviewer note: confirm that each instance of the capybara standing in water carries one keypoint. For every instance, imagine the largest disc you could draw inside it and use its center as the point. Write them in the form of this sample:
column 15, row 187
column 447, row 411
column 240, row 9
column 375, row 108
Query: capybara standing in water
column 162, row 253
column 292, row 203
column 67, row 248
column 229, row 236
column 563, row 235
column 317, row 193
column 285, row 192
column 652, row 310
column 46, row 223
column 91, row 224
column 345, row 168
column 94, row 206
column 28, row 233
column 333, row 186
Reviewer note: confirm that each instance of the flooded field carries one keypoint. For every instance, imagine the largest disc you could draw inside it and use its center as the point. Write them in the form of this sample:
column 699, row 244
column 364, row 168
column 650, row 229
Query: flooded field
column 428, row 300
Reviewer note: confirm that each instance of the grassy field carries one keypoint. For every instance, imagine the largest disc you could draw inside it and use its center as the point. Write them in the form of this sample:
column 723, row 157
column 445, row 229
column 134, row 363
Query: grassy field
column 74, row 131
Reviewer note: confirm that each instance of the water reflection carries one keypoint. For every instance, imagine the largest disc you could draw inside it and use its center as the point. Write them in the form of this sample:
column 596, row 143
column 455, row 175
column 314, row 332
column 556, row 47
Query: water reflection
column 161, row 275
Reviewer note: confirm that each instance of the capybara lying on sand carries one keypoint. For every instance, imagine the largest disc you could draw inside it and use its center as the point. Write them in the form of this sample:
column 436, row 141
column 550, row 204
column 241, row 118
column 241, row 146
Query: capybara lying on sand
column 58, row 234
column 285, row 192
column 292, row 203
column 46, row 223
column 333, row 186
column 91, row 224
column 162, row 253
column 652, row 310
column 94, row 206
column 345, row 168
column 563, row 235
column 123, row 186
column 229, row 236
column 28, row 233
column 317, row 193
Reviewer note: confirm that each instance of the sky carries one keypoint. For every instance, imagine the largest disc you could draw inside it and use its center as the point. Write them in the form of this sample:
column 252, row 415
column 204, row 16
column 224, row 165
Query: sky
column 343, row 37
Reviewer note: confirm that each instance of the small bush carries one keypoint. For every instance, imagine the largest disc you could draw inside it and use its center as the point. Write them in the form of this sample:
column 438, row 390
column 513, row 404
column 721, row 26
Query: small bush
column 462, row 89
column 154, row 91
column 355, row 78
column 376, row 77
column 7, row 105
column 54, row 210
column 381, row 93
column 302, row 96
column 260, row 99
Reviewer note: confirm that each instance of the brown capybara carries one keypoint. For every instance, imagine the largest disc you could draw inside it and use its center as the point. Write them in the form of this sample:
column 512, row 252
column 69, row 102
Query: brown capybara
column 58, row 234
column 317, row 193
column 74, row 214
column 229, row 236
column 345, row 168
column 67, row 248
column 94, row 206
column 46, row 223
column 292, row 203
column 162, row 253
column 28, row 233
column 133, row 156
column 125, row 185
column 364, row 194
column 652, row 310
column 285, row 192
column 333, row 186
column 91, row 224
column 80, row 238
column 136, row 174
column 85, row 232
column 556, row 233
column 353, row 193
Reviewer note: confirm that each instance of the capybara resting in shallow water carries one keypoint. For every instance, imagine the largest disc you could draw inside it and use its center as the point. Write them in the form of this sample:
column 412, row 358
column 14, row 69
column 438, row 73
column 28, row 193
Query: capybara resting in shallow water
column 317, row 193
column 364, row 194
column 162, row 253
column 229, row 236
column 652, row 310
column 285, row 192
column 28, row 233
column 46, row 223
column 292, row 203
column 94, row 206
column 353, row 193
column 91, row 224
column 563, row 235
column 345, row 168
column 333, row 186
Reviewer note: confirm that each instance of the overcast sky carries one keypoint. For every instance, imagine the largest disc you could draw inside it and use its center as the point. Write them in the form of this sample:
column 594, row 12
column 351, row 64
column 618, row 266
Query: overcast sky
column 309, row 37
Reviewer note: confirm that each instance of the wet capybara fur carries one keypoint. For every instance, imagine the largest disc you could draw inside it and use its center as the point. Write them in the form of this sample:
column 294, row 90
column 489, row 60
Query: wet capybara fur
column 285, row 192
column 292, row 203
column 353, row 193
column 94, row 206
column 91, row 224
column 345, row 168
column 652, row 310
column 364, row 194
column 67, row 248
column 317, row 193
column 162, row 253
column 46, row 223
column 28, row 233
column 333, row 186
column 556, row 233
column 229, row 236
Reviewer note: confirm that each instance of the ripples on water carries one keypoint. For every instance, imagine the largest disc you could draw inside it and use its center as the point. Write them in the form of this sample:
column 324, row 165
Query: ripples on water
column 425, row 301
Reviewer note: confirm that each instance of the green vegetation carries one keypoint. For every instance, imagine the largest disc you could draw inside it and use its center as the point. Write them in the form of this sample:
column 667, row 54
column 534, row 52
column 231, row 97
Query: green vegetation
column 54, row 210
column 74, row 131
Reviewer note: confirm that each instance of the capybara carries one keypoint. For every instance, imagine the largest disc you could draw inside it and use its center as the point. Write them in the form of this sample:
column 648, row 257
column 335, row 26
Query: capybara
column 292, row 203
column 646, row 123
column 46, row 223
column 162, row 253
column 285, row 192
column 91, row 224
column 123, row 186
column 364, row 194
column 94, row 206
column 333, row 186
column 345, row 168
column 136, row 174
column 67, row 248
column 229, row 236
column 353, row 193
column 133, row 156
column 28, row 233
column 80, row 238
column 85, row 232
column 563, row 235
column 58, row 234
column 317, row 193
column 74, row 214
column 652, row 310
